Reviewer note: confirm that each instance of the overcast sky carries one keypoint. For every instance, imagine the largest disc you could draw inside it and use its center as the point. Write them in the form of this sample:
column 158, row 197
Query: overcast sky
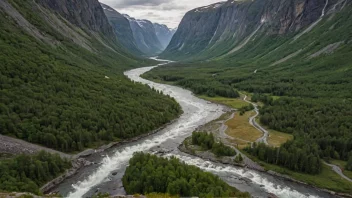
column 168, row 12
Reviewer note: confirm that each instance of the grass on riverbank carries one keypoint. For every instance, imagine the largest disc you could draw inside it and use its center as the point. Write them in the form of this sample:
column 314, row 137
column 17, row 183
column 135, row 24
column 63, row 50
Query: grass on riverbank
column 327, row 179
column 160, row 195
column 239, row 128
column 342, row 165
column 276, row 138
column 235, row 103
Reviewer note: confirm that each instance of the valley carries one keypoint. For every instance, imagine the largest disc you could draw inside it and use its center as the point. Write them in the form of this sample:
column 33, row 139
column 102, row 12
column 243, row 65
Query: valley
column 291, row 72
column 100, row 177
column 249, row 98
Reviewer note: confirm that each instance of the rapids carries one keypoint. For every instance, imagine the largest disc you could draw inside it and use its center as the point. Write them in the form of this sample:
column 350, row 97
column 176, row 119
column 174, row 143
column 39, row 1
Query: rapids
column 106, row 173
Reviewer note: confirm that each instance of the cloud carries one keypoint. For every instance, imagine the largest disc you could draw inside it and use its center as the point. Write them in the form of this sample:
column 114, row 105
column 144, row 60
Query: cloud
column 168, row 12
column 129, row 3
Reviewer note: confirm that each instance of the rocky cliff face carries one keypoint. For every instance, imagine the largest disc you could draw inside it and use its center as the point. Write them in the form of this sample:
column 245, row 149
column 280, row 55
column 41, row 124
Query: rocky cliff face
column 86, row 14
column 145, row 36
column 164, row 34
column 122, row 28
column 225, row 27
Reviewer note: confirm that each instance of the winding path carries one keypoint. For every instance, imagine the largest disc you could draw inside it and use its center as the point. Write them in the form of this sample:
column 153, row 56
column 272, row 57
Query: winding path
column 223, row 136
column 252, row 121
column 338, row 170
column 264, row 138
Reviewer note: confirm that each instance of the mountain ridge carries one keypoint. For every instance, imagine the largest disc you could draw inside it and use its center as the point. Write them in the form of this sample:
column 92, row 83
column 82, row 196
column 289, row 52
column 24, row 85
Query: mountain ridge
column 220, row 28
column 140, row 36
column 164, row 34
column 122, row 28
column 145, row 36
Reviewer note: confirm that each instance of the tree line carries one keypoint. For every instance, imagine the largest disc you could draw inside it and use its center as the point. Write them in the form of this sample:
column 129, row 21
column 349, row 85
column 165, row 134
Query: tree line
column 207, row 142
column 327, row 124
column 349, row 163
column 301, row 158
column 244, row 109
column 199, row 86
column 27, row 173
column 148, row 173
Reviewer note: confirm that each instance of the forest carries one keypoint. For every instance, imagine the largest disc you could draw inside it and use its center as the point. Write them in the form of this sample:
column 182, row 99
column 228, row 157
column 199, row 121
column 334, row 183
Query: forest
column 59, row 97
column 207, row 142
column 244, row 109
column 349, row 163
column 310, row 98
column 148, row 173
column 327, row 124
column 296, row 156
column 200, row 86
column 27, row 173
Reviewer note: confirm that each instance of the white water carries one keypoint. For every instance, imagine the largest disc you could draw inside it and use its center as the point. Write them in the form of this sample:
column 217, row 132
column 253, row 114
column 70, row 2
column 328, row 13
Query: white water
column 323, row 12
column 280, row 191
column 202, row 112
column 120, row 158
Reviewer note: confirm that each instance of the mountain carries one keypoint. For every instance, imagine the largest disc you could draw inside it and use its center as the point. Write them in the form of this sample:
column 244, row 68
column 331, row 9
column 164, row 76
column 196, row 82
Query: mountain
column 294, row 56
column 223, row 28
column 61, row 78
column 140, row 37
column 164, row 34
column 122, row 29
column 86, row 15
column 145, row 36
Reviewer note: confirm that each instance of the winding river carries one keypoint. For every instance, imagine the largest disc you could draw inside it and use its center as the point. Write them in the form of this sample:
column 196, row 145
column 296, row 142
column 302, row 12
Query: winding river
column 108, row 168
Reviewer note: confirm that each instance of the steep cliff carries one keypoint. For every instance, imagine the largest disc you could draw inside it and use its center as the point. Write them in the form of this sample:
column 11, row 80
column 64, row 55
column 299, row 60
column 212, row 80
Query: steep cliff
column 223, row 28
column 61, row 77
column 82, row 22
column 122, row 29
column 145, row 36
column 86, row 14
column 164, row 34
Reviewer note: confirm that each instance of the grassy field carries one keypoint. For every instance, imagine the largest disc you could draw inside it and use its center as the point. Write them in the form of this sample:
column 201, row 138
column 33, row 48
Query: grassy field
column 327, row 179
column 342, row 165
column 231, row 102
column 239, row 143
column 239, row 128
column 276, row 97
column 276, row 138
column 244, row 93
column 159, row 195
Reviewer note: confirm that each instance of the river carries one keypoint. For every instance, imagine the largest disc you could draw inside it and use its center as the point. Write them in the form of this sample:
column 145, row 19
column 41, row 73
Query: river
column 108, row 168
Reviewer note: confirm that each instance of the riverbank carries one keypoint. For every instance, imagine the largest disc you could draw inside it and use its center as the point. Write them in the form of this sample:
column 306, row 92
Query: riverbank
column 103, row 148
column 217, row 127
column 327, row 181
column 197, row 112
column 78, row 161
column 208, row 156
